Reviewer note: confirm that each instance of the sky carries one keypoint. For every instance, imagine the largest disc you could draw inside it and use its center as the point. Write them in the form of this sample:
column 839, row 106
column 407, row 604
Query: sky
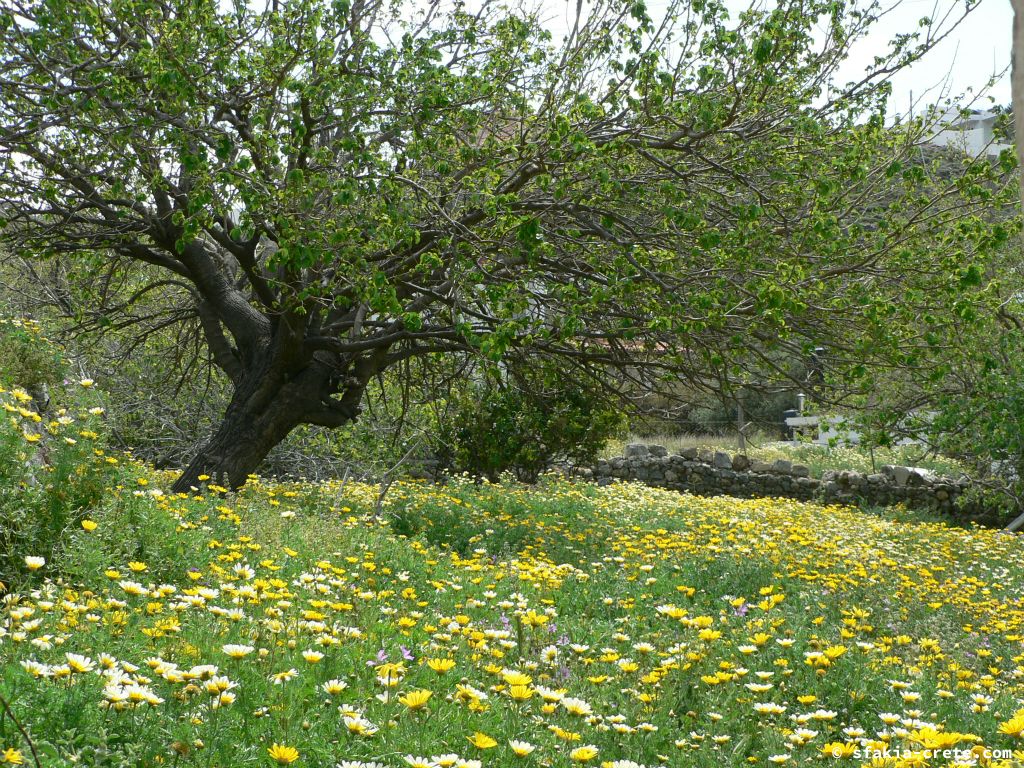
column 967, row 59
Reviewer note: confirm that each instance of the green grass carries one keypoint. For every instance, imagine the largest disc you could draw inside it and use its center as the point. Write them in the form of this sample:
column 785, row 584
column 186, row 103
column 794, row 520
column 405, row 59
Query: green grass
column 604, row 626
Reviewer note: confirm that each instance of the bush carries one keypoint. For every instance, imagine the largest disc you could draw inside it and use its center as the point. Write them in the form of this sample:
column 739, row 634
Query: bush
column 27, row 360
column 524, row 421
column 52, row 472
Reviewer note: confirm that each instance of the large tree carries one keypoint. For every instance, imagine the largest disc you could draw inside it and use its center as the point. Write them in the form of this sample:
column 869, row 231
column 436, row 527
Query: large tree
column 331, row 188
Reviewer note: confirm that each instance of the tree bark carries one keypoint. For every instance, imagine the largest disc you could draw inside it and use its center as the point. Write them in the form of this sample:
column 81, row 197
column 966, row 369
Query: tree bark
column 266, row 406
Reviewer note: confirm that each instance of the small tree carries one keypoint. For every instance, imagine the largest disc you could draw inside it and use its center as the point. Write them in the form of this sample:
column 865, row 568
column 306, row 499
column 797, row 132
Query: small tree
column 326, row 189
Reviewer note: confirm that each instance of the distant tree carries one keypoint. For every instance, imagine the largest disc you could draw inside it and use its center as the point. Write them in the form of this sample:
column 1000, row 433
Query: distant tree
column 325, row 189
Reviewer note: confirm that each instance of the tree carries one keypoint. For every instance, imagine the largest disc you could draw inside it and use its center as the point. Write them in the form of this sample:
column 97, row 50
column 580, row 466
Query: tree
column 327, row 189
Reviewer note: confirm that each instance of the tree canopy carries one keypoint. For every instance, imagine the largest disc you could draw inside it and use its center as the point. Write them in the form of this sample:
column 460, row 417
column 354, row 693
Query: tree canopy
column 327, row 189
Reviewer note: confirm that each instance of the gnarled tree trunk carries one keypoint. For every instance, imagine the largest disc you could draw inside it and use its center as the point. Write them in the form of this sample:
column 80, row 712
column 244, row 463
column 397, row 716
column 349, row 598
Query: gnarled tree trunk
column 273, row 395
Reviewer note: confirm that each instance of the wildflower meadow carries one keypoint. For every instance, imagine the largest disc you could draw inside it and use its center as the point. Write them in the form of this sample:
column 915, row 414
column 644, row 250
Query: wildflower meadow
column 495, row 625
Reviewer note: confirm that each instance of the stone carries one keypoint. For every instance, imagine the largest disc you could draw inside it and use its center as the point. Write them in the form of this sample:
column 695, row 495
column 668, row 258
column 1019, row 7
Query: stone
column 800, row 470
column 670, row 476
column 782, row 466
column 760, row 466
column 900, row 475
column 706, row 455
column 740, row 462
column 722, row 460
column 635, row 451
column 688, row 453
column 659, row 451
column 876, row 478
column 920, row 476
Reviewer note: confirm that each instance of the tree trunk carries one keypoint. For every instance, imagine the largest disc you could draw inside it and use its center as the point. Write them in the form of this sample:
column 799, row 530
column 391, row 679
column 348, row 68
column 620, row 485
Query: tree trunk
column 265, row 407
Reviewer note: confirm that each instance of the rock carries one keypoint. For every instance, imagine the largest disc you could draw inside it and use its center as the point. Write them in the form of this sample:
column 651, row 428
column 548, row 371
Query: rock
column 670, row 476
column 921, row 476
column 635, row 451
column 705, row 455
column 740, row 462
column 782, row 466
column 760, row 466
column 659, row 451
column 601, row 481
column 800, row 470
column 688, row 453
column 876, row 478
column 722, row 460
column 941, row 494
column 900, row 475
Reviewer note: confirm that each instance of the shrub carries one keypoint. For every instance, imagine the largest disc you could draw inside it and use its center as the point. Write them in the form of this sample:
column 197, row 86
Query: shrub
column 525, row 420
column 52, row 471
column 27, row 360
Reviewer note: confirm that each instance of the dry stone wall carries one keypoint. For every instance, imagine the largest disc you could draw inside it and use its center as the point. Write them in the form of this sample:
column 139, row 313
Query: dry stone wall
column 711, row 473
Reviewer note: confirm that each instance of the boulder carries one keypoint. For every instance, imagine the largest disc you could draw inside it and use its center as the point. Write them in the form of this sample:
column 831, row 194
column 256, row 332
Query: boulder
column 688, row 453
column 659, row 451
column 900, row 475
column 722, row 460
column 740, row 462
column 782, row 466
column 760, row 466
column 800, row 470
column 635, row 451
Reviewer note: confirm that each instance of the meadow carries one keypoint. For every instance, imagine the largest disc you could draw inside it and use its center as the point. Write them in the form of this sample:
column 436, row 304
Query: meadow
column 472, row 624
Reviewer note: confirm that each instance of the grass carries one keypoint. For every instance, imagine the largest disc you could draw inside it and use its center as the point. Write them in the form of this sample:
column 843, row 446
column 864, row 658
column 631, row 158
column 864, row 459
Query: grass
column 474, row 624
column 818, row 458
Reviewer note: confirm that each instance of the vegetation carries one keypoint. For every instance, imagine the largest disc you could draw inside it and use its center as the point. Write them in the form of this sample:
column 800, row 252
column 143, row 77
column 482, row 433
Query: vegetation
column 317, row 192
column 503, row 625
column 525, row 421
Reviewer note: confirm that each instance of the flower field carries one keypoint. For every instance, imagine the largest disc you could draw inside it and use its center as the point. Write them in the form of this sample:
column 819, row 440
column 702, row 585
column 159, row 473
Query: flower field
column 469, row 625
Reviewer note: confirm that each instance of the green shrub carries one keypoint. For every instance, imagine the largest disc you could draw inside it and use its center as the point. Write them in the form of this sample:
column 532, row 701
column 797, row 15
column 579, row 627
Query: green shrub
column 27, row 360
column 52, row 473
column 522, row 422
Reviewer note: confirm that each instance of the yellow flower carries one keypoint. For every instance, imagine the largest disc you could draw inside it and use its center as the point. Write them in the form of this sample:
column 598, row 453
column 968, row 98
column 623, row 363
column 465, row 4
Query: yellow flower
column 416, row 699
column 90, row 525
column 520, row 692
column 481, row 740
column 516, row 678
column 283, row 755
column 583, row 754
column 440, row 665
column 34, row 563
column 1014, row 726
column 11, row 756
column 137, row 566
column 838, row 749
column 86, row 383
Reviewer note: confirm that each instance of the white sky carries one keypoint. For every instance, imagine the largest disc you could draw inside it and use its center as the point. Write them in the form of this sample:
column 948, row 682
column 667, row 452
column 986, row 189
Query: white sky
column 970, row 56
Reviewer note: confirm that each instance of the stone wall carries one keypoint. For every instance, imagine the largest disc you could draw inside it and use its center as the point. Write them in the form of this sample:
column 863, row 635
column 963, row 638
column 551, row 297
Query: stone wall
column 707, row 473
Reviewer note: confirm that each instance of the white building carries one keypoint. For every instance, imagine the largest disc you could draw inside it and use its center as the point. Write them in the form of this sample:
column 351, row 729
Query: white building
column 973, row 133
